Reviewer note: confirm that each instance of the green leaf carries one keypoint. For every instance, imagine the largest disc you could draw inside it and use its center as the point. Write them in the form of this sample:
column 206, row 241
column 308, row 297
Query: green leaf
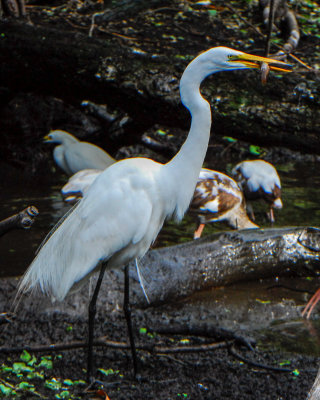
column 143, row 330
column 256, row 150
column 65, row 394
column 19, row 367
column 296, row 372
column 229, row 139
column 108, row 372
column 185, row 341
column 80, row 382
column 25, row 385
column 68, row 382
column 32, row 361
column 25, row 356
column 35, row 375
column 5, row 368
column 285, row 362
column 54, row 384
column 5, row 389
column 45, row 362
column 212, row 13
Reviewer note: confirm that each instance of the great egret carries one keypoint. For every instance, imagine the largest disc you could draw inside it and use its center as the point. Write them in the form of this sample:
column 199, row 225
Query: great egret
column 72, row 155
column 259, row 180
column 218, row 198
column 124, row 209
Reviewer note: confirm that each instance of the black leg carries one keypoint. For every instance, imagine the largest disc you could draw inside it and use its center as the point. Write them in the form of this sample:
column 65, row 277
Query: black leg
column 92, row 313
column 127, row 313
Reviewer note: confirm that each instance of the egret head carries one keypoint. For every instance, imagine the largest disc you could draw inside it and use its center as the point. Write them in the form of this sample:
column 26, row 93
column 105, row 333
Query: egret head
column 224, row 58
column 221, row 59
column 59, row 137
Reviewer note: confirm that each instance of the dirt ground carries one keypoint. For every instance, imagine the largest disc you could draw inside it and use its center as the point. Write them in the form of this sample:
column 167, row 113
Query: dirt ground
column 209, row 374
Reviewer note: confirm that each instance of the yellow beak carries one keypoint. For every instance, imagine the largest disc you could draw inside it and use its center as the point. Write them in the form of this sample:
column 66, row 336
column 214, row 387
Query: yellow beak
column 252, row 61
column 46, row 138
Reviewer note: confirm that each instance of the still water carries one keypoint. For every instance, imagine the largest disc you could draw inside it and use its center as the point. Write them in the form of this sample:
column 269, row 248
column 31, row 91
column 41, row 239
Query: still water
column 301, row 199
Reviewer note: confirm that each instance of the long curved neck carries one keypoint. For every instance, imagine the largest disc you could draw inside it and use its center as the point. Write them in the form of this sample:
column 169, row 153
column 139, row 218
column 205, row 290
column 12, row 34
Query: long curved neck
column 186, row 165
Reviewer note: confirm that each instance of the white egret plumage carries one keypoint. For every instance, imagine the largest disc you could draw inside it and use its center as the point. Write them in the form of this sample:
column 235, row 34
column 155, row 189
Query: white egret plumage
column 73, row 155
column 259, row 180
column 78, row 184
column 124, row 209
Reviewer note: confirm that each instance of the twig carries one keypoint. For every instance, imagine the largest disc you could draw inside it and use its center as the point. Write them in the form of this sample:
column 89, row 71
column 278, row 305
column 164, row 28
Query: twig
column 119, row 35
column 270, row 26
column 192, row 349
column 258, row 365
column 23, row 220
column 290, row 288
column 258, row 32
column 206, row 331
column 116, row 345
column 300, row 62
column 243, row 19
column 75, row 25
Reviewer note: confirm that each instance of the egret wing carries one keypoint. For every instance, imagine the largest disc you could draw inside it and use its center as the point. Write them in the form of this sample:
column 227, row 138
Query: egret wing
column 108, row 224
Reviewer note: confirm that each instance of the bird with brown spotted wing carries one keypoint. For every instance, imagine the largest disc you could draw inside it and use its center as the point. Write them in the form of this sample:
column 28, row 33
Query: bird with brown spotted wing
column 218, row 198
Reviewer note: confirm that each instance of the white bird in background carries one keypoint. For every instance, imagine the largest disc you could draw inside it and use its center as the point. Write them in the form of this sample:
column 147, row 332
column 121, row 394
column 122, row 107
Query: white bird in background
column 72, row 155
column 218, row 198
column 124, row 209
column 259, row 180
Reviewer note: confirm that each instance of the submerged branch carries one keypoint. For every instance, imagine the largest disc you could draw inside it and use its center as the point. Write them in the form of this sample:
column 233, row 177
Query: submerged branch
column 23, row 220
column 219, row 260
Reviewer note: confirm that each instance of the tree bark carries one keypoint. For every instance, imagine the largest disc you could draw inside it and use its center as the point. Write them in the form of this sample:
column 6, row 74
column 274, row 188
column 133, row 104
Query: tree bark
column 219, row 260
column 23, row 220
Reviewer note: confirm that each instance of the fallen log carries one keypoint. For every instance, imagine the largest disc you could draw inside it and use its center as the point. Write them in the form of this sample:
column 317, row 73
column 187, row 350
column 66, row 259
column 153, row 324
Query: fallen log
column 218, row 260
column 23, row 220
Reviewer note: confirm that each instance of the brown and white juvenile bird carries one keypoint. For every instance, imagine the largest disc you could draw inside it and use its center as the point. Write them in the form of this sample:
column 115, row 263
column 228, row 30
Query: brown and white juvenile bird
column 218, row 198
column 259, row 180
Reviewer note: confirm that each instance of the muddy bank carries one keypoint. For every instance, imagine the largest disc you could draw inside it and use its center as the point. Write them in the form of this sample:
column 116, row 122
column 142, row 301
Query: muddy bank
column 198, row 375
column 254, row 312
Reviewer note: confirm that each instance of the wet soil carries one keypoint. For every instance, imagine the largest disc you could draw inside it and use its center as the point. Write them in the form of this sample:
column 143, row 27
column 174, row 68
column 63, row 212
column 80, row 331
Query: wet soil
column 209, row 374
